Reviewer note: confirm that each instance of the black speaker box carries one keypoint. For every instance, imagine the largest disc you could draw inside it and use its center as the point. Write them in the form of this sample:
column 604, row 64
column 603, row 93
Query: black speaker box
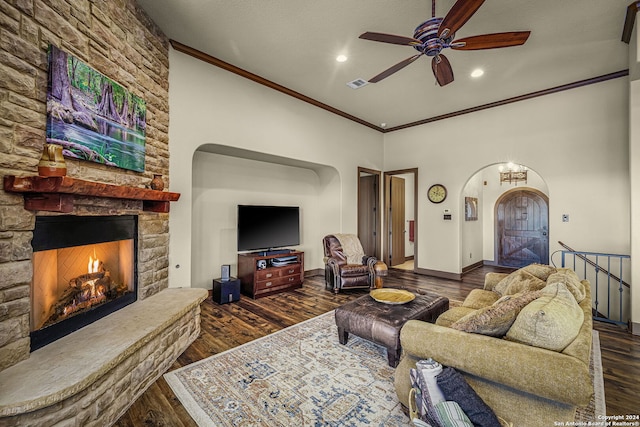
column 226, row 291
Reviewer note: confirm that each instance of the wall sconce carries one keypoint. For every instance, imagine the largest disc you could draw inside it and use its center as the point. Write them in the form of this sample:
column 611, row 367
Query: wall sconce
column 513, row 173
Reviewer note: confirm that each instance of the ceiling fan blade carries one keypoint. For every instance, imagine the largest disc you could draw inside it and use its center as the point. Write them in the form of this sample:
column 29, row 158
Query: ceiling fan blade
column 460, row 13
column 399, row 66
column 442, row 69
column 390, row 38
column 491, row 41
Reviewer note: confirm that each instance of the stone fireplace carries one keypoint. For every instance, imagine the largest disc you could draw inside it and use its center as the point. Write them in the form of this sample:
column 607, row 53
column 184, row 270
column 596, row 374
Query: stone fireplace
column 92, row 295
column 133, row 346
column 118, row 40
column 93, row 298
column 84, row 268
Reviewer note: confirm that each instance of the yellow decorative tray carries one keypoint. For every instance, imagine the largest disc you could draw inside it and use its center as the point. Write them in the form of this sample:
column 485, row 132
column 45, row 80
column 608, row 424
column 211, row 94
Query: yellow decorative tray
column 392, row 296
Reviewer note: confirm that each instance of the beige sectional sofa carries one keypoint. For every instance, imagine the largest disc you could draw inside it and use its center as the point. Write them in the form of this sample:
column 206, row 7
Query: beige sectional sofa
column 536, row 373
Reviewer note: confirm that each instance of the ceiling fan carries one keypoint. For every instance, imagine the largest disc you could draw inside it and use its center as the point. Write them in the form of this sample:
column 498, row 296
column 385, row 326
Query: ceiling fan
column 435, row 34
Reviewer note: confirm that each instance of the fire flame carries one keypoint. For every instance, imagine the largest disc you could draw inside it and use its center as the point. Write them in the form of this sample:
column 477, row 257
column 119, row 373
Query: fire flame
column 94, row 294
column 92, row 267
column 93, row 264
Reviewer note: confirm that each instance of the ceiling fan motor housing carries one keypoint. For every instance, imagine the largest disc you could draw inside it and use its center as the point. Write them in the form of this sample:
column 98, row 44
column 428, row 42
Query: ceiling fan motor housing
column 435, row 34
column 427, row 33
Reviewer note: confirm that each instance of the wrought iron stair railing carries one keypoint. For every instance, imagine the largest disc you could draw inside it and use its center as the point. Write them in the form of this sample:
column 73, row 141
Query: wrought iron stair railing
column 610, row 294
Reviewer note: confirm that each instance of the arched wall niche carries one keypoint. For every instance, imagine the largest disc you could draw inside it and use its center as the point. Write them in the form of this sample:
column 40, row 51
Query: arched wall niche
column 478, row 237
column 224, row 177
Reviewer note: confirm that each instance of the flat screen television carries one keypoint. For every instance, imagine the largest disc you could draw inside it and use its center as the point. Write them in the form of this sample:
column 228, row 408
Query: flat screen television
column 267, row 227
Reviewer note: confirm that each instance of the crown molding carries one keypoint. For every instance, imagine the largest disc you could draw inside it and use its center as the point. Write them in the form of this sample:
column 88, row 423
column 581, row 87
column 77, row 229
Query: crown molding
column 275, row 86
column 261, row 80
column 629, row 21
column 524, row 97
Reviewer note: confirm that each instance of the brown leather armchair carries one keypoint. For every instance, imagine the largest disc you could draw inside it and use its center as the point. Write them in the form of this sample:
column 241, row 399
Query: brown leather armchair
column 346, row 265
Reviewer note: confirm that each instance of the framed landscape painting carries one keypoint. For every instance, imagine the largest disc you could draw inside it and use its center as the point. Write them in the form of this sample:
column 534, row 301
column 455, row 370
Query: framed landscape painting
column 92, row 117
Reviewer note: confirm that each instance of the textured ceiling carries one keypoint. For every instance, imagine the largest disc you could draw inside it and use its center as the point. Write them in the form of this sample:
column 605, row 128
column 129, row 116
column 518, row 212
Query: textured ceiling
column 294, row 44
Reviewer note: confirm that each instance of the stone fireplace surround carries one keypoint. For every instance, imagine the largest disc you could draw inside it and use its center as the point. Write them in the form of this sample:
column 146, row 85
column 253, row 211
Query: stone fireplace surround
column 61, row 384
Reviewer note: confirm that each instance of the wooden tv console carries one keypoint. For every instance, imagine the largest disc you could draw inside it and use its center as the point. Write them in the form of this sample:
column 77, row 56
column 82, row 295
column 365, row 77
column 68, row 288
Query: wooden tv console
column 259, row 282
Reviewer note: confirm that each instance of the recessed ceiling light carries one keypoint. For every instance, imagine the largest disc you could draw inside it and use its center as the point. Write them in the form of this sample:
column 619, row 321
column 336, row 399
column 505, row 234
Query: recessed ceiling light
column 477, row 73
column 341, row 58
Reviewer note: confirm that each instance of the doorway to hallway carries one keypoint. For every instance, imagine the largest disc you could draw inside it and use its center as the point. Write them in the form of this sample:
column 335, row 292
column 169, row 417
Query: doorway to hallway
column 369, row 211
column 400, row 213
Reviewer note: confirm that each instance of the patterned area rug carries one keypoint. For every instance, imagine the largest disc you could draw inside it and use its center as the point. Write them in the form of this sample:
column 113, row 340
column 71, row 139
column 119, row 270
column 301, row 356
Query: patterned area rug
column 302, row 376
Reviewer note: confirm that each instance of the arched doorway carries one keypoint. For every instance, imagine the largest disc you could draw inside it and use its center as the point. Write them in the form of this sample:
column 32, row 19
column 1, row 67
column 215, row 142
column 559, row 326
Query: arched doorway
column 522, row 228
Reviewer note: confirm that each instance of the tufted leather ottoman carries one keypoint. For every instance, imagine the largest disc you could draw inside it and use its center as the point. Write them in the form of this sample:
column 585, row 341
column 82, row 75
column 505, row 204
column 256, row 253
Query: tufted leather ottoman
column 381, row 323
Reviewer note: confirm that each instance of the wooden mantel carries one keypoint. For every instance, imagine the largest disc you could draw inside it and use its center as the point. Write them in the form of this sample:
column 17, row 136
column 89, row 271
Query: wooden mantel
column 57, row 193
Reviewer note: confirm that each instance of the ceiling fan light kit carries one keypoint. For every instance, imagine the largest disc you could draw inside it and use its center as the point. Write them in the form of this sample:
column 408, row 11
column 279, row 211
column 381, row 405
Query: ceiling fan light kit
column 436, row 34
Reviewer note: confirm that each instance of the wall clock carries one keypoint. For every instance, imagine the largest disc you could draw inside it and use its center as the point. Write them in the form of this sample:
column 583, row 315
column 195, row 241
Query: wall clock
column 437, row 193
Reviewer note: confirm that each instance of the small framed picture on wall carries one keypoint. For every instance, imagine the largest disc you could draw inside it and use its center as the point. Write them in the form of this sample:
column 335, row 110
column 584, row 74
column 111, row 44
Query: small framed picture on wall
column 470, row 209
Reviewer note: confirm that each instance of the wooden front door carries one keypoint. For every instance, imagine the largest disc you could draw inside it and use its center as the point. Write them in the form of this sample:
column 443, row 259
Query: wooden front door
column 522, row 228
column 396, row 216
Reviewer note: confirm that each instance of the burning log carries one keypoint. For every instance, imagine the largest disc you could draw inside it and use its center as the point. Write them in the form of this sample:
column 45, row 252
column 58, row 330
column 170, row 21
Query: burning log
column 102, row 278
column 77, row 282
column 84, row 292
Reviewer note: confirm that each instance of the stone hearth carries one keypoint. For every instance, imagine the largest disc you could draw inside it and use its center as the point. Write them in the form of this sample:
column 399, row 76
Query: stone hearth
column 93, row 384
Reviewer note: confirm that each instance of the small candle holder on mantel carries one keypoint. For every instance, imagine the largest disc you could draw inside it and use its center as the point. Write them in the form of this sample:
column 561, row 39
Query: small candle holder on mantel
column 157, row 183
column 52, row 162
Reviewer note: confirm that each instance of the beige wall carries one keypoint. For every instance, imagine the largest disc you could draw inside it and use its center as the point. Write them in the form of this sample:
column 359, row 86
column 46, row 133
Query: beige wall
column 576, row 140
column 211, row 107
column 471, row 235
column 222, row 182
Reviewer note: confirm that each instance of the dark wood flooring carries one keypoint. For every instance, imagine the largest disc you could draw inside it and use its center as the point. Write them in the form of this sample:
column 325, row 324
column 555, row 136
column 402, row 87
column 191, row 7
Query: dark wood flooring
column 227, row 326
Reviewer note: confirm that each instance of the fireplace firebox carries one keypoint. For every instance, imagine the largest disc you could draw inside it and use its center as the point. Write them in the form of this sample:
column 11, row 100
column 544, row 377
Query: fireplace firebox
column 84, row 268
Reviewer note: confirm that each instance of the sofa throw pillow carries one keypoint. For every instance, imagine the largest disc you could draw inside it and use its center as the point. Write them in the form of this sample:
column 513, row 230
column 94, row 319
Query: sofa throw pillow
column 541, row 271
column 428, row 394
column 519, row 281
column 480, row 298
column 571, row 281
column 455, row 388
column 496, row 319
column 552, row 321
column 452, row 415
column 452, row 315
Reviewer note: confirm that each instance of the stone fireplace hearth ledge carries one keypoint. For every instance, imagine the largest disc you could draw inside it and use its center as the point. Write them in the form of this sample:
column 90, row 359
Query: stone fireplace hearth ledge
column 95, row 373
